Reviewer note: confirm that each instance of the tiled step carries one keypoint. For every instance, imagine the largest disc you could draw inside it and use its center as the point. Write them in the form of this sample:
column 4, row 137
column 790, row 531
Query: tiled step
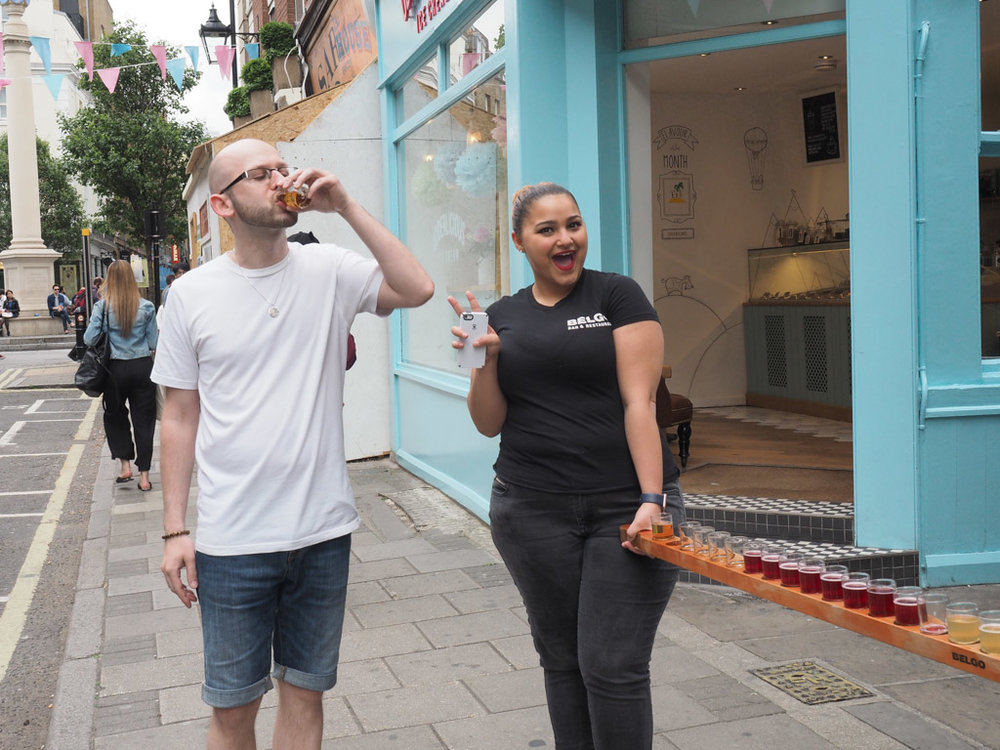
column 789, row 519
column 819, row 529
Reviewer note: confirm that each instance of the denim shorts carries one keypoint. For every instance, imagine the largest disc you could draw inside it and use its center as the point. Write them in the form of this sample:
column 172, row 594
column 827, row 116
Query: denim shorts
column 291, row 603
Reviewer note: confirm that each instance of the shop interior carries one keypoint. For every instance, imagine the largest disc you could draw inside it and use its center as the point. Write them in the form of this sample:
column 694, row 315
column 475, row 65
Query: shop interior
column 750, row 237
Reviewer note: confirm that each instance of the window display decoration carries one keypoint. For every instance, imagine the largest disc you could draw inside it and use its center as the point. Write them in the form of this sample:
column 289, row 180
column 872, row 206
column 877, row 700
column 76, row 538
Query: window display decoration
column 427, row 188
column 476, row 170
column 444, row 161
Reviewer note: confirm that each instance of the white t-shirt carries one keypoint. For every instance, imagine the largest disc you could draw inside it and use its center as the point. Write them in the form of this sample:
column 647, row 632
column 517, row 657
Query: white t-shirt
column 270, row 446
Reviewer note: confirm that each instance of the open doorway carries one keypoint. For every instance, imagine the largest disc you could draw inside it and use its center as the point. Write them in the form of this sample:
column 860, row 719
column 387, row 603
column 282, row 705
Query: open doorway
column 739, row 190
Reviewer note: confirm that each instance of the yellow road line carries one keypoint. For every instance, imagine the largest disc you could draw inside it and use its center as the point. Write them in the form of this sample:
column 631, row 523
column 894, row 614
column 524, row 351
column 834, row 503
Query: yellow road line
column 15, row 613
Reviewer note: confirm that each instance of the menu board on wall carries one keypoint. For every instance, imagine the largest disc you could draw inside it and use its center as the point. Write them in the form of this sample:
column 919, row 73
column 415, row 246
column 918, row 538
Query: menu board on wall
column 819, row 121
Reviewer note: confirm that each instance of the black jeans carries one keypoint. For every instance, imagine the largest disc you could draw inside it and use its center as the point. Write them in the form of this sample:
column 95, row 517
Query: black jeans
column 129, row 382
column 593, row 608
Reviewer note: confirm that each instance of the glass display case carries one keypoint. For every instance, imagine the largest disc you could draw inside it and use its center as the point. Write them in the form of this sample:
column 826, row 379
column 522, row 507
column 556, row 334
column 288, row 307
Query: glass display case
column 815, row 274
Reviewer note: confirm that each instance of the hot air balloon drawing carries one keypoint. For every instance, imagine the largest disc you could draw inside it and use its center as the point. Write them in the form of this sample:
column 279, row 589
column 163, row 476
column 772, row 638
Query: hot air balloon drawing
column 755, row 140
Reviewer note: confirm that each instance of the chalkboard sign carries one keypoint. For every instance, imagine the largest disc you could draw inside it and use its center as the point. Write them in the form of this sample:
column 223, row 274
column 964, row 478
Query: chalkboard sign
column 819, row 118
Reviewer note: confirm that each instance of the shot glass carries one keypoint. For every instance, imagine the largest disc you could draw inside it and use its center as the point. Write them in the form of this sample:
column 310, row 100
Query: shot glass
column 701, row 539
column 855, row 587
column 932, row 614
column 906, row 605
column 770, row 560
column 717, row 545
column 753, row 552
column 989, row 631
column 831, row 582
column 296, row 197
column 687, row 534
column 880, row 594
column 663, row 526
column 963, row 622
column 788, row 568
column 810, row 569
column 734, row 551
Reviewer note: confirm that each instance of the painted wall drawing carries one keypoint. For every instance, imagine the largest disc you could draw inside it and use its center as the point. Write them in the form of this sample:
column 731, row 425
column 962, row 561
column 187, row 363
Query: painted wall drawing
column 676, row 284
column 755, row 141
column 676, row 195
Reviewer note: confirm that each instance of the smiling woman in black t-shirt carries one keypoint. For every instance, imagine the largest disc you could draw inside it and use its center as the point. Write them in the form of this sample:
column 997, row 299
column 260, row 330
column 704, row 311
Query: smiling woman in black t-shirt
column 569, row 384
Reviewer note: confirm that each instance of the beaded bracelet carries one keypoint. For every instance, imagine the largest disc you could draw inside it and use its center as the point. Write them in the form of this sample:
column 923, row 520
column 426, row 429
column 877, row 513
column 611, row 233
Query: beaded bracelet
column 172, row 534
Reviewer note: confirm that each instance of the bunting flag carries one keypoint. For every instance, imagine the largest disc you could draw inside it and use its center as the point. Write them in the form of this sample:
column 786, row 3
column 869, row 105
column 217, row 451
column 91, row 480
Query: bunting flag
column 110, row 77
column 225, row 54
column 54, row 82
column 1, row 52
column 5, row 82
column 86, row 51
column 160, row 53
column 119, row 49
column 193, row 54
column 176, row 68
column 41, row 45
column 252, row 50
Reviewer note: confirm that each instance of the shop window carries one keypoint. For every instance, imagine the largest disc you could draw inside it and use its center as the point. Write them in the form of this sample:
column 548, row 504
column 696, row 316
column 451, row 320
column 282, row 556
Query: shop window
column 418, row 90
column 476, row 42
column 453, row 187
column 651, row 22
column 989, row 179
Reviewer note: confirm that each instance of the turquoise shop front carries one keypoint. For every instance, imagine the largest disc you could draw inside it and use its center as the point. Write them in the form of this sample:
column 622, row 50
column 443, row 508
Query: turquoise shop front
column 699, row 136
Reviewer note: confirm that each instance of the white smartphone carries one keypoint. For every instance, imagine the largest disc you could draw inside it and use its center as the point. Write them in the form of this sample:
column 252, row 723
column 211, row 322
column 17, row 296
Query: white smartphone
column 475, row 324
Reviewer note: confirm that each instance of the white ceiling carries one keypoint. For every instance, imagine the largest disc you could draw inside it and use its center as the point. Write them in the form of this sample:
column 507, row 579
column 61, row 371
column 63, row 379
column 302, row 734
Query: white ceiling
column 789, row 67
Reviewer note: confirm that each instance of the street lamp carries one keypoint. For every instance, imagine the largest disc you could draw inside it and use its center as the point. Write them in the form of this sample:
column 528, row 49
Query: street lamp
column 213, row 28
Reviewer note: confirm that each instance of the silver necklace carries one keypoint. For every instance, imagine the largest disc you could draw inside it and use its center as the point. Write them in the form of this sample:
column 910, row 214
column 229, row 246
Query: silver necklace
column 272, row 309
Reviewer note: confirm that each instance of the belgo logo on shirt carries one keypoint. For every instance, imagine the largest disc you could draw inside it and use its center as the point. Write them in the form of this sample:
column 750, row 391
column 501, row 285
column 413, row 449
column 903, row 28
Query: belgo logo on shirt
column 597, row 320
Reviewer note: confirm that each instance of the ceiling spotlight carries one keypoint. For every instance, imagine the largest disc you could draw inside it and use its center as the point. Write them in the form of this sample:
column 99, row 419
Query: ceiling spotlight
column 739, row 88
column 770, row 22
column 825, row 62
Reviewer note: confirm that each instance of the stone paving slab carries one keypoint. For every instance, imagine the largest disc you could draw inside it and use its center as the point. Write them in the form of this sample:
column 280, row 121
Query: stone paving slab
column 449, row 664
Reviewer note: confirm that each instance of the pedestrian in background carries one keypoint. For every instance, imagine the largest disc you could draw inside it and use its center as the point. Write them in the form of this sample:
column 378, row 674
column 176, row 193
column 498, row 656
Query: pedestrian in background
column 580, row 456
column 252, row 357
column 131, row 325
column 98, row 281
column 58, row 304
column 9, row 309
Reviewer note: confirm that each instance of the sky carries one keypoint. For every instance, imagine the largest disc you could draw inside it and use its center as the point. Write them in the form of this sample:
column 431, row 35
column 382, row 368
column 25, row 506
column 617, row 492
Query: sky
column 176, row 22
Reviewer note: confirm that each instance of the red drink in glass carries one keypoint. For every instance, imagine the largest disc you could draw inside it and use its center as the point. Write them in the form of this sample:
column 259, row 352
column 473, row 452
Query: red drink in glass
column 809, row 579
column 769, row 564
column 831, row 584
column 789, row 573
column 752, row 561
column 855, row 594
column 907, row 610
column 880, row 601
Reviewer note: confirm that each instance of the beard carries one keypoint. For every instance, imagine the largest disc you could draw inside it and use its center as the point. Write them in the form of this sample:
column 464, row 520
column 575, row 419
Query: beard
column 270, row 216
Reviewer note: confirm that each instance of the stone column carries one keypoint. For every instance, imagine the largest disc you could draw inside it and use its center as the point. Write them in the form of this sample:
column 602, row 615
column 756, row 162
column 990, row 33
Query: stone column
column 27, row 263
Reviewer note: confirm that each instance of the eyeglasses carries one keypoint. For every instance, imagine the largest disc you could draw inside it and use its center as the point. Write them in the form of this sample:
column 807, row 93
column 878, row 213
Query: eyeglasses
column 257, row 174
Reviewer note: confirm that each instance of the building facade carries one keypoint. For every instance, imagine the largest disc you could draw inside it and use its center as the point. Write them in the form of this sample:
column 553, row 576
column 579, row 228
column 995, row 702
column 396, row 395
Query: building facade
column 805, row 189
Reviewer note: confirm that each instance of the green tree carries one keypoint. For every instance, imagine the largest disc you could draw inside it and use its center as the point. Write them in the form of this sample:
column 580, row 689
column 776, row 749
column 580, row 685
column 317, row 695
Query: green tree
column 61, row 209
column 129, row 145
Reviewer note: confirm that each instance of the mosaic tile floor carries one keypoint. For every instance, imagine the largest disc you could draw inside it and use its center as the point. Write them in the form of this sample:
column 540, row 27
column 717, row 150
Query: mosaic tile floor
column 839, row 431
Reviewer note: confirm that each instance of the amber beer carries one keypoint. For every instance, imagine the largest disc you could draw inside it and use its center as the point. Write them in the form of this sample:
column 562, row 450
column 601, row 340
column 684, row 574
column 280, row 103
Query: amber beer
column 297, row 198
column 663, row 527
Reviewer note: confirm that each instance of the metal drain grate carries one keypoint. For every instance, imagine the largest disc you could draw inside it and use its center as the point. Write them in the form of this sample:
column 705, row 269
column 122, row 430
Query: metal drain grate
column 811, row 683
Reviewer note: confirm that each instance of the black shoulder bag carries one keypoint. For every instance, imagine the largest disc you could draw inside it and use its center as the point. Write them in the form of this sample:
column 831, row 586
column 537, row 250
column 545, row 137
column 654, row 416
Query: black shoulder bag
column 92, row 374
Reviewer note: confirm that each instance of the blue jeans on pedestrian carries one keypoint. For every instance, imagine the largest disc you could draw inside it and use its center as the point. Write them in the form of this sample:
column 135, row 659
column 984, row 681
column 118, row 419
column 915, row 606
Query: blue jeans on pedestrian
column 61, row 314
column 593, row 607
column 289, row 603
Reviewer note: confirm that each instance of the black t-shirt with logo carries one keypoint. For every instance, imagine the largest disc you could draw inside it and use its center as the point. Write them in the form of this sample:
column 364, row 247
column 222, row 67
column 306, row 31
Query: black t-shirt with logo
column 565, row 426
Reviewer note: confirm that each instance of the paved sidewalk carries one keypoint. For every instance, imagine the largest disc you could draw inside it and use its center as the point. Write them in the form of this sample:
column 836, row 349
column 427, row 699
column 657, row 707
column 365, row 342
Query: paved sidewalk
column 436, row 652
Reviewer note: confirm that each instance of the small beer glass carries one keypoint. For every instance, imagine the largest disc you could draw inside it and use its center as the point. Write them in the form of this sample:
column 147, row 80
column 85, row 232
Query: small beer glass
column 963, row 622
column 734, row 551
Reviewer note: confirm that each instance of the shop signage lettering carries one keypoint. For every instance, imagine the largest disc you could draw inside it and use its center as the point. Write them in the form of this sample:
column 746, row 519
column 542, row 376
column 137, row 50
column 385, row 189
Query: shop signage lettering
column 345, row 46
column 967, row 660
column 675, row 133
column 425, row 13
